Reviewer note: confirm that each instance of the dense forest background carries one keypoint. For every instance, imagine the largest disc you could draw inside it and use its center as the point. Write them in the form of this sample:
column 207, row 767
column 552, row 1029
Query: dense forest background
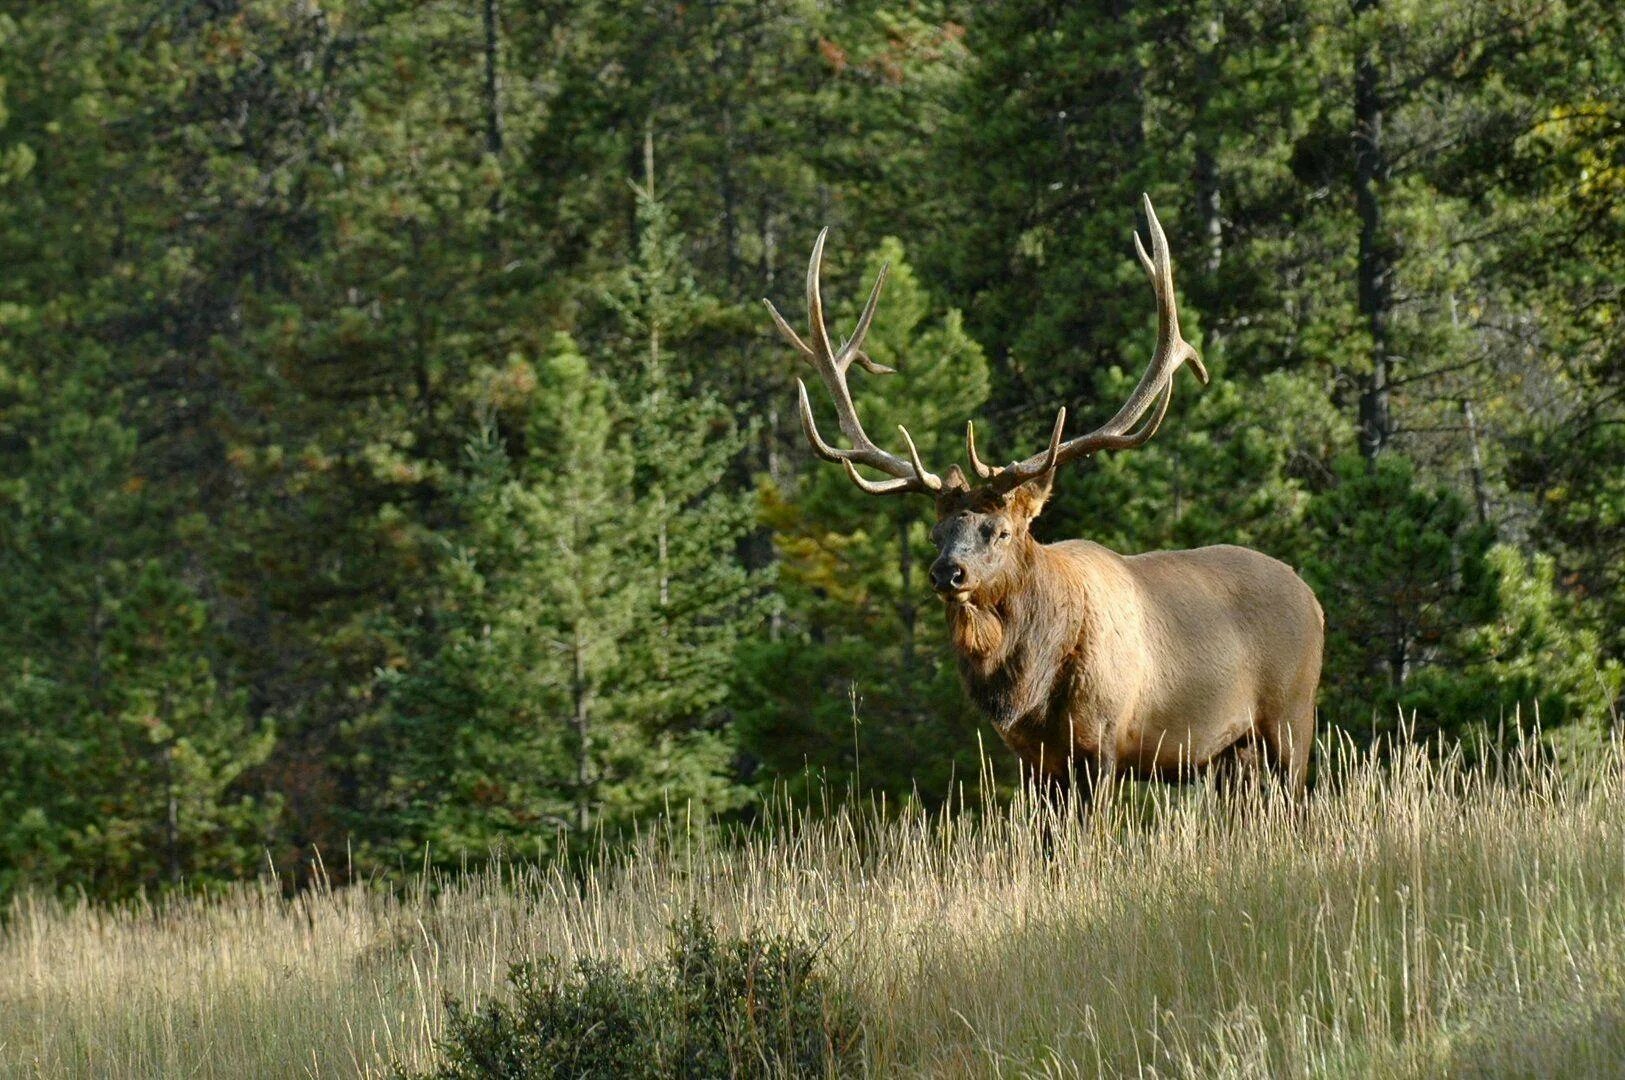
column 396, row 458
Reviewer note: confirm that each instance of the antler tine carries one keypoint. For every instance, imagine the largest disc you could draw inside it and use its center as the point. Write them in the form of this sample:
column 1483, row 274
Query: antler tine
column 810, row 429
column 913, row 454
column 784, row 328
column 1172, row 349
column 880, row 487
column 1125, row 431
column 988, row 472
column 815, row 299
column 1142, row 434
column 831, row 365
column 1052, row 456
column 853, row 348
column 985, row 471
column 1159, row 268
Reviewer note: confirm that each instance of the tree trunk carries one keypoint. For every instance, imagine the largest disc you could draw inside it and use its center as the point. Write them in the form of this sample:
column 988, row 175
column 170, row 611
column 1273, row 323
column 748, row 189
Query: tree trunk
column 907, row 610
column 172, row 818
column 655, row 405
column 1208, row 208
column 1375, row 265
column 583, row 729
column 729, row 189
column 493, row 101
column 1481, row 498
column 1133, row 133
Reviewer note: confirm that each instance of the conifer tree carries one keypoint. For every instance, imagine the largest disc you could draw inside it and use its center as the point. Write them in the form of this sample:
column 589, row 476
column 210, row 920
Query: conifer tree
column 1401, row 574
column 684, row 443
column 1535, row 661
column 508, row 721
column 568, row 680
column 268, row 265
column 1562, row 175
column 125, row 745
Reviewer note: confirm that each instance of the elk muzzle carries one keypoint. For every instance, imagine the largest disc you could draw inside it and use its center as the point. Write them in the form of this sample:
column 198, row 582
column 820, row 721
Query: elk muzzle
column 948, row 577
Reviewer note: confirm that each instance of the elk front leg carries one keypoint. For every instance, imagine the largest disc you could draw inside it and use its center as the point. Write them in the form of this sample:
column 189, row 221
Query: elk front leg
column 1052, row 791
column 1103, row 770
column 1074, row 787
column 1093, row 757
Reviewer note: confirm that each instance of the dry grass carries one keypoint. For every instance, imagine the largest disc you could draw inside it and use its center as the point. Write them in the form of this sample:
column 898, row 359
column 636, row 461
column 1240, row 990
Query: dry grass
column 1420, row 919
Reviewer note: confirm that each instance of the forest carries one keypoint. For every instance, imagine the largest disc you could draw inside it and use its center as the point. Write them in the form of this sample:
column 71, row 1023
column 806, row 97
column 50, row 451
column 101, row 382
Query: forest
column 398, row 465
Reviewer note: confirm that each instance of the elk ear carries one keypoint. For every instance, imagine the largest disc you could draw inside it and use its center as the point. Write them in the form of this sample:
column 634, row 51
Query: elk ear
column 955, row 480
column 1028, row 500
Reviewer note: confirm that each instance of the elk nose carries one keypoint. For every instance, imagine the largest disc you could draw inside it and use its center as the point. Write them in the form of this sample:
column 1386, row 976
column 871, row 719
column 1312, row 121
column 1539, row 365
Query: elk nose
column 947, row 576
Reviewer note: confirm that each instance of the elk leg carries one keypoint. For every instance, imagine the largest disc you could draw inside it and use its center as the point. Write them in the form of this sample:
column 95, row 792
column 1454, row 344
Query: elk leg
column 1288, row 743
column 1087, row 780
column 1292, row 737
column 1227, row 769
column 1099, row 775
column 1053, row 790
column 1298, row 735
column 1051, row 795
column 1240, row 772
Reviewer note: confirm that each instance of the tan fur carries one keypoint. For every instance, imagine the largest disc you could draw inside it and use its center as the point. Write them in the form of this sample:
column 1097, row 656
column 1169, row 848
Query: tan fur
column 1155, row 665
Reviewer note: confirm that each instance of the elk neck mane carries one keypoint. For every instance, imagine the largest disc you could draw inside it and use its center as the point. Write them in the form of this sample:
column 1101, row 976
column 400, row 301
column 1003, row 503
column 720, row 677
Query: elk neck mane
column 1014, row 641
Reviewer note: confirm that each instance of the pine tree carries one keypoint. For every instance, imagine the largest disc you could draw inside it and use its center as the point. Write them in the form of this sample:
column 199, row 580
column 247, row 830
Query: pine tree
column 569, row 678
column 1563, row 175
column 1051, row 135
column 125, row 744
column 507, row 711
column 1533, row 660
column 684, row 443
column 268, row 265
column 1401, row 574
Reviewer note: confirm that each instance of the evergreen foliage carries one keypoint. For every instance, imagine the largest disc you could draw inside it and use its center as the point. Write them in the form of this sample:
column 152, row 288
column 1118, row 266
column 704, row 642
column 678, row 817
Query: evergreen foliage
column 124, row 739
column 1404, row 572
column 387, row 461
column 533, row 710
column 1535, row 660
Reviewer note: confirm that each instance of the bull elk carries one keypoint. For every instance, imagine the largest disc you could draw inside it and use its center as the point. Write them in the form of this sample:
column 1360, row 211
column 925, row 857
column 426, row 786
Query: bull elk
column 1090, row 664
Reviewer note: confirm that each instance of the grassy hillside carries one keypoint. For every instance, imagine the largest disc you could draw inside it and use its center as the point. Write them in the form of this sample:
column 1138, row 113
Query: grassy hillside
column 1416, row 919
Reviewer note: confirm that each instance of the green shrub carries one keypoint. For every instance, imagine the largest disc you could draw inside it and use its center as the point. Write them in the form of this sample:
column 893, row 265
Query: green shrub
column 755, row 1006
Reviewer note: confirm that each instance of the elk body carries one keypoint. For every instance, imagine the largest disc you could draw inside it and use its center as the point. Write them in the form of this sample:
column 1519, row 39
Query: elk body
column 1092, row 664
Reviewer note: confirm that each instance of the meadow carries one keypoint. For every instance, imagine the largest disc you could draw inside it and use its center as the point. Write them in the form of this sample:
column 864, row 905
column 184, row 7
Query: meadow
column 1418, row 917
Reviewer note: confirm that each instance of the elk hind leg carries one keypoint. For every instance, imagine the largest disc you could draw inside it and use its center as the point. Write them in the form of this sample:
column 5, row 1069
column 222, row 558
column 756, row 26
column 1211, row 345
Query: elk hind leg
column 1289, row 739
column 1052, row 792
column 1239, row 766
column 1293, row 734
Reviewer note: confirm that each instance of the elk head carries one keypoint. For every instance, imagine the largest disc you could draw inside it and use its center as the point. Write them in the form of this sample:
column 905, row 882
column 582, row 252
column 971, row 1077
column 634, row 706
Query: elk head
column 983, row 533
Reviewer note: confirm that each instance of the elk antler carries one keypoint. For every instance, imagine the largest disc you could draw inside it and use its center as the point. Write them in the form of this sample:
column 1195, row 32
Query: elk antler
column 831, row 365
column 1120, row 432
